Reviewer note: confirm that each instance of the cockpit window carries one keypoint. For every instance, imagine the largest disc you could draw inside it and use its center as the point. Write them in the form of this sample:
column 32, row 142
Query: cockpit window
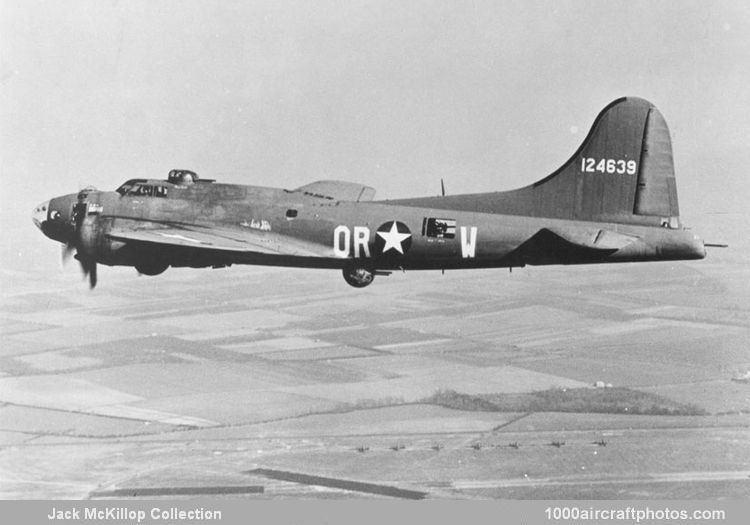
column 142, row 189
column 122, row 190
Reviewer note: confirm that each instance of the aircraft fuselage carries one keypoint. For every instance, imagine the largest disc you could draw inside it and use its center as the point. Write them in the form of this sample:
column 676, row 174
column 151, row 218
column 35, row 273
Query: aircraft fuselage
column 357, row 232
column 614, row 200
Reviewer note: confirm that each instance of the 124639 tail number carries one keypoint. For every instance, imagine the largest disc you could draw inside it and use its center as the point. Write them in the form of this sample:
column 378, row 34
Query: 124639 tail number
column 619, row 166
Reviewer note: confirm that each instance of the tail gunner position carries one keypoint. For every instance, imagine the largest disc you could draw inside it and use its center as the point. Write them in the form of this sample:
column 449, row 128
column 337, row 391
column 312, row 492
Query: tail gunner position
column 615, row 200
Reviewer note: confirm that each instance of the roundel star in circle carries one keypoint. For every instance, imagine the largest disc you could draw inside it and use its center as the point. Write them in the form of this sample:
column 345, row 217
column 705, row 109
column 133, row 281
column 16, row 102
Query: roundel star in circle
column 393, row 238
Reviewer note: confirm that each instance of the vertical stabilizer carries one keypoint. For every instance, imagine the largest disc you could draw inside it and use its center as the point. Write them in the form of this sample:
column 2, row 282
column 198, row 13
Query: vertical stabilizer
column 621, row 173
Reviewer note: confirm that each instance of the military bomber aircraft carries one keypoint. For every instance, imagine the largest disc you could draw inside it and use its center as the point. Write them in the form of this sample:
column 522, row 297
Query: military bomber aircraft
column 615, row 200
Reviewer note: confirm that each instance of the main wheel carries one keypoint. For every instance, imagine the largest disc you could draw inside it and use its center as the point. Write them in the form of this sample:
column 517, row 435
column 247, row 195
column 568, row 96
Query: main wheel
column 151, row 266
column 358, row 277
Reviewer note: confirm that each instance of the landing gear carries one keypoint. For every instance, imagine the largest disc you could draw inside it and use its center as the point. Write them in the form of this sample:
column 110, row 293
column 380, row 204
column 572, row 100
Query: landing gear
column 358, row 277
column 151, row 266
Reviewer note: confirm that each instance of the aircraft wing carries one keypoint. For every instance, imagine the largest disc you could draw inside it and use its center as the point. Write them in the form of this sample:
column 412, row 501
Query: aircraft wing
column 338, row 190
column 222, row 239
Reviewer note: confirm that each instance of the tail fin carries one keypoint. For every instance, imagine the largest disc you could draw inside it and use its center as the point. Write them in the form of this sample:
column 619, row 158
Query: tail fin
column 623, row 171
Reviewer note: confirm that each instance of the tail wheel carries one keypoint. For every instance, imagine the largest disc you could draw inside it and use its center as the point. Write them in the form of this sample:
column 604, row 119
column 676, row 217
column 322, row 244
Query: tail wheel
column 358, row 277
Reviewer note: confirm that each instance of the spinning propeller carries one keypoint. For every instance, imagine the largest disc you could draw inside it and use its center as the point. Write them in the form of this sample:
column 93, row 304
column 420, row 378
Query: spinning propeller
column 80, row 239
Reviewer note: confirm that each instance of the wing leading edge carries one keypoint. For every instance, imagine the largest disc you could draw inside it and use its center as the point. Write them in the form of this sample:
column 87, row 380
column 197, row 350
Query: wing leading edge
column 196, row 238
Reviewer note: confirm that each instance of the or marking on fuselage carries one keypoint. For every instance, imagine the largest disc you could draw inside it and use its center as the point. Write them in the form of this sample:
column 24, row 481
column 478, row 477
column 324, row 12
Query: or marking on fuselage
column 391, row 238
column 341, row 233
column 468, row 242
column 361, row 240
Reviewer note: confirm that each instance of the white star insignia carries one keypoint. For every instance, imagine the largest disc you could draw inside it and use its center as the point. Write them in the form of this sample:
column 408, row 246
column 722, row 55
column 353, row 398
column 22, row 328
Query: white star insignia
column 393, row 239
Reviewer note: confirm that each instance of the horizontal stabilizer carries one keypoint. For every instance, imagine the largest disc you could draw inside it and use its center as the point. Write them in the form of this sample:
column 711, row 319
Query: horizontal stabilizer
column 596, row 238
column 550, row 247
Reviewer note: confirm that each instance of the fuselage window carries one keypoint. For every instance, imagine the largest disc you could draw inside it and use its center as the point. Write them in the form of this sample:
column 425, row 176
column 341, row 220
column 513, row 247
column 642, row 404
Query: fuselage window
column 439, row 228
column 291, row 214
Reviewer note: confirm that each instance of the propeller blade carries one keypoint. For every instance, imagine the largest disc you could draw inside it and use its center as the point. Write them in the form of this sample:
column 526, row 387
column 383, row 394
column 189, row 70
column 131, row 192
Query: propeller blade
column 67, row 252
column 88, row 263
column 88, row 267
column 84, row 266
column 92, row 276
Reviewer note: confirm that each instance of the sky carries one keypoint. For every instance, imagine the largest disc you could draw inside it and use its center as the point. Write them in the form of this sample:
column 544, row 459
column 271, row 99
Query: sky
column 487, row 95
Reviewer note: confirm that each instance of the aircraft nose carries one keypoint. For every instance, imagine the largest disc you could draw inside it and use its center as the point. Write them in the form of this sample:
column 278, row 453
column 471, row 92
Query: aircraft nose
column 40, row 214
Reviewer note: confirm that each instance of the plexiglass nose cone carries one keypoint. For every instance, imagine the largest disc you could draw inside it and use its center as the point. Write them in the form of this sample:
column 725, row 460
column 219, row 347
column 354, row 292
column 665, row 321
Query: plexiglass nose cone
column 39, row 215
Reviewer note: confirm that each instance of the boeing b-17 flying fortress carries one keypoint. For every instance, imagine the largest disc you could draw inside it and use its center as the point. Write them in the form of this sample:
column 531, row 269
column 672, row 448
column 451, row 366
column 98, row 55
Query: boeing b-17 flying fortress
column 604, row 381
column 615, row 200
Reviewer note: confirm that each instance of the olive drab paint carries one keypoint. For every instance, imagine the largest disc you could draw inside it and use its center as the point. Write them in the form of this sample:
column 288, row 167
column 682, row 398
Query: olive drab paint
column 614, row 200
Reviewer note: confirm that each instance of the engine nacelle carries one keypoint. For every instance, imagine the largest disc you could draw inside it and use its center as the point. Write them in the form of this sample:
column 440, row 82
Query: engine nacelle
column 93, row 243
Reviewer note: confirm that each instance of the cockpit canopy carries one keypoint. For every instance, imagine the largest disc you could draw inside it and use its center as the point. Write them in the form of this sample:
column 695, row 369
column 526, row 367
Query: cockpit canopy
column 144, row 188
column 160, row 188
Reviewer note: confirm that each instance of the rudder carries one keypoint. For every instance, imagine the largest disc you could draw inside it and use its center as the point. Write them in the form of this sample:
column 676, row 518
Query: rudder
column 656, row 193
